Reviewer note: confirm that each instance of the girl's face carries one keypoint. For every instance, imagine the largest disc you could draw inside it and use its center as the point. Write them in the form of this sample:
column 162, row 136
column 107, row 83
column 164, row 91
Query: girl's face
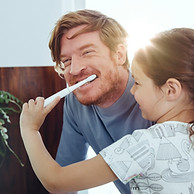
column 149, row 97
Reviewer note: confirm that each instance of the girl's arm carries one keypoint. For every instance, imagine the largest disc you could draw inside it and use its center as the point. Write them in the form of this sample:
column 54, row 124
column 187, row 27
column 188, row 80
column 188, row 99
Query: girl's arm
column 56, row 179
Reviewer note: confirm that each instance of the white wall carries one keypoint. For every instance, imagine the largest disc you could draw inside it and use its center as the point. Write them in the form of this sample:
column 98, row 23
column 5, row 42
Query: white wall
column 25, row 27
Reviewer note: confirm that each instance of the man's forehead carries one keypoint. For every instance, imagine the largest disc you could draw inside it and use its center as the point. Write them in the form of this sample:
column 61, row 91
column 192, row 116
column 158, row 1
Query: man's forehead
column 71, row 32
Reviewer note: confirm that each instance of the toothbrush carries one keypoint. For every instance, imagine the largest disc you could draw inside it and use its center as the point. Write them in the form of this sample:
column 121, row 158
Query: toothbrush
column 68, row 90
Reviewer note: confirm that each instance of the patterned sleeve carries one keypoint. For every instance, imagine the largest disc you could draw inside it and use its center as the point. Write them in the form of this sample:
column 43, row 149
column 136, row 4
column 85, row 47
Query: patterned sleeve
column 130, row 156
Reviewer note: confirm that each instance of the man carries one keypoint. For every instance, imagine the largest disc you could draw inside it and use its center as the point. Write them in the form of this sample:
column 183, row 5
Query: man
column 83, row 43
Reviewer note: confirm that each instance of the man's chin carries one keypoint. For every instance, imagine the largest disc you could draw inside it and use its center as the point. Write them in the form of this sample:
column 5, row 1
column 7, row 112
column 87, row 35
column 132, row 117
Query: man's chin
column 86, row 100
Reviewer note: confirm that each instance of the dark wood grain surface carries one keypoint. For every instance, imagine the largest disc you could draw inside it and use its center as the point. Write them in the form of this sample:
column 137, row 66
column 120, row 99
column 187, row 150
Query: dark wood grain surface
column 26, row 83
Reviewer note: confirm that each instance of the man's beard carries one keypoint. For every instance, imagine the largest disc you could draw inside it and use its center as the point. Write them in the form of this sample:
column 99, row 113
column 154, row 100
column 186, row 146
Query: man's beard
column 107, row 94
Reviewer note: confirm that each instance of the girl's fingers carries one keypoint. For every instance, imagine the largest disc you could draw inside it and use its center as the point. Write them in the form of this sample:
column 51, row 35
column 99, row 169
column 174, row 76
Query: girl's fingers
column 31, row 103
column 39, row 104
column 25, row 105
column 40, row 101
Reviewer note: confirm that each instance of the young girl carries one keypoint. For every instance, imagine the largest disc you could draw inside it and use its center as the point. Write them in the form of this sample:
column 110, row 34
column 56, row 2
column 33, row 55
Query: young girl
column 159, row 159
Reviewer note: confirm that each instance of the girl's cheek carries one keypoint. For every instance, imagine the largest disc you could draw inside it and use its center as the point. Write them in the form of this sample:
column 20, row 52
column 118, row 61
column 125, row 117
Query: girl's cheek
column 136, row 97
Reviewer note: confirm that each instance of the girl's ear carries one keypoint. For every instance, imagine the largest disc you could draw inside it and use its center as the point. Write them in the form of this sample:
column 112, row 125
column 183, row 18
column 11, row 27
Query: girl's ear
column 173, row 89
column 121, row 54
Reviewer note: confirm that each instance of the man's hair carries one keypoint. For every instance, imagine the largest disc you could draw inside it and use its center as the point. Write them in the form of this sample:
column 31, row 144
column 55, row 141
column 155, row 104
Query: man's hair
column 110, row 31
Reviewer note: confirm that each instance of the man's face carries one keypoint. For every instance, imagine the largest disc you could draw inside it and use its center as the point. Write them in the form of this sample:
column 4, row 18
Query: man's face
column 85, row 55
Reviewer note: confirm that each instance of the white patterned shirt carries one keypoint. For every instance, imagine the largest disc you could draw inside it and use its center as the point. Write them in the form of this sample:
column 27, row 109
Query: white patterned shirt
column 157, row 160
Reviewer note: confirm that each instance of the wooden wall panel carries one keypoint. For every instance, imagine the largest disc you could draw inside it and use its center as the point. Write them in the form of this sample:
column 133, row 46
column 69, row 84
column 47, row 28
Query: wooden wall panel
column 26, row 83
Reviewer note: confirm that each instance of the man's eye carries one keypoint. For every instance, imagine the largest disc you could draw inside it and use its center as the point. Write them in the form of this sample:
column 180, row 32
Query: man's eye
column 66, row 62
column 136, row 83
column 87, row 52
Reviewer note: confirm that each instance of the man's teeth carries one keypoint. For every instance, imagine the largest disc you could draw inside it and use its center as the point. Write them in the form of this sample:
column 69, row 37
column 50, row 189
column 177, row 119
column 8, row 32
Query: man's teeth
column 86, row 83
column 89, row 82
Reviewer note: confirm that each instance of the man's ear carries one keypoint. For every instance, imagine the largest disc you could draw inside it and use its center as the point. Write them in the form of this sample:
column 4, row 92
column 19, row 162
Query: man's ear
column 173, row 89
column 121, row 54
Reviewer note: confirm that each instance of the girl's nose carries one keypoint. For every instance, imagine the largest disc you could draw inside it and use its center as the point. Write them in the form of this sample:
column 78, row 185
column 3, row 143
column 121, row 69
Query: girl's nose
column 132, row 90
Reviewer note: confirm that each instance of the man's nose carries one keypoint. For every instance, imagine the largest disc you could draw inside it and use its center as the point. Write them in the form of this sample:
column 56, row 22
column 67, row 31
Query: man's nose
column 77, row 65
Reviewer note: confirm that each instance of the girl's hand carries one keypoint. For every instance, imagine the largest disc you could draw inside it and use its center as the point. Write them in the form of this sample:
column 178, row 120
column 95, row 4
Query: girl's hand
column 34, row 113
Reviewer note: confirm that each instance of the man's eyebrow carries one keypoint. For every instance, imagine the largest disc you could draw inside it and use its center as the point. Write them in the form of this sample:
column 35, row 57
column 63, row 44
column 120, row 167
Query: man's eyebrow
column 62, row 56
column 86, row 46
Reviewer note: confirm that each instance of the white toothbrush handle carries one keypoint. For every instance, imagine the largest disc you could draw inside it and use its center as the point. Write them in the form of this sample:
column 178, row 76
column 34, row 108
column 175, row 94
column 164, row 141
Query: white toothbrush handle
column 61, row 94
